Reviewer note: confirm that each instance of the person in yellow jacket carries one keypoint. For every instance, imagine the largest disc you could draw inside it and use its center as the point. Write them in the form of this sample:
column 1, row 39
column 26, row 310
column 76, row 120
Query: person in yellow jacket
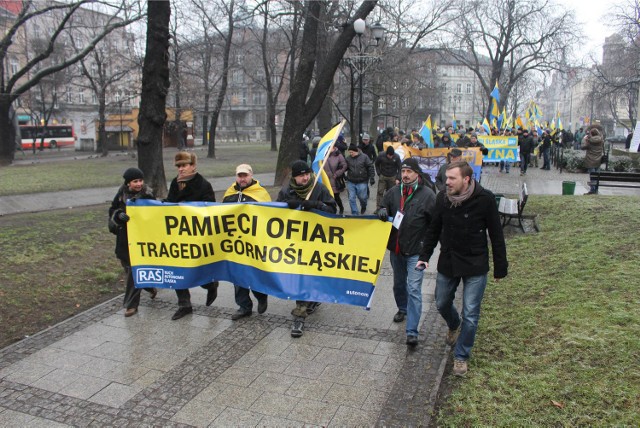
column 246, row 189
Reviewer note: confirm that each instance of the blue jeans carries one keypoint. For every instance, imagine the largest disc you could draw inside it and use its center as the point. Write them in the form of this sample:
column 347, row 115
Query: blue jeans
column 524, row 162
column 407, row 289
column 361, row 190
column 593, row 189
column 471, row 299
column 545, row 155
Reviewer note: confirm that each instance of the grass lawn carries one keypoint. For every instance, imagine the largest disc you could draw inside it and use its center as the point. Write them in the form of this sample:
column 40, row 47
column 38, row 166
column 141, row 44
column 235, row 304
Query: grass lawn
column 48, row 175
column 559, row 338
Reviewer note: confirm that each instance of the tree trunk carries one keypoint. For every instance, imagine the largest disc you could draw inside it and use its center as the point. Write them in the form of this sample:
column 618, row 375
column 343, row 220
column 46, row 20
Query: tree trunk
column 7, row 143
column 102, row 132
column 223, row 85
column 300, row 112
column 155, row 85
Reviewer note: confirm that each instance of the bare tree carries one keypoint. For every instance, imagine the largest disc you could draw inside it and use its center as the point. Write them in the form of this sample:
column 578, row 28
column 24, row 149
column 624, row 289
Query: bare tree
column 61, row 20
column 155, row 85
column 518, row 36
column 304, row 102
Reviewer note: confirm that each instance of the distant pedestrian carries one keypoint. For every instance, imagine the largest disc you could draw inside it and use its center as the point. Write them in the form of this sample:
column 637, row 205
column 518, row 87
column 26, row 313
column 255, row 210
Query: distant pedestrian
column 314, row 148
column 132, row 189
column 525, row 141
column 246, row 189
column 593, row 143
column 388, row 166
column 303, row 151
column 367, row 148
column 335, row 166
column 463, row 217
column 410, row 204
column 455, row 155
column 190, row 186
column 360, row 170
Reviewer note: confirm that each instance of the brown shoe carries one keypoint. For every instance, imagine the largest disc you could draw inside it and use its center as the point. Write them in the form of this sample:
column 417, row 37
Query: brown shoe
column 452, row 336
column 154, row 293
column 131, row 311
column 459, row 367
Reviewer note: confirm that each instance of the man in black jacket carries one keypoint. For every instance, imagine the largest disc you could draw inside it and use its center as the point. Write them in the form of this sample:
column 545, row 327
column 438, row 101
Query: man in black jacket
column 388, row 167
column 359, row 170
column 246, row 189
column 295, row 195
column 190, row 186
column 410, row 204
column 462, row 217
column 527, row 145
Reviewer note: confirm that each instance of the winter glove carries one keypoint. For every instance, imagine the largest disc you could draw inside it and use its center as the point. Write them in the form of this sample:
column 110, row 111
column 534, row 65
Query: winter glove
column 293, row 204
column 372, row 181
column 309, row 205
column 123, row 217
column 382, row 214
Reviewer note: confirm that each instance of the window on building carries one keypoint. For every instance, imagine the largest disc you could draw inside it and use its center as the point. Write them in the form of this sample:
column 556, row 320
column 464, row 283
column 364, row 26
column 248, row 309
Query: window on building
column 468, row 88
column 381, row 103
column 459, row 88
column 237, row 76
column 257, row 97
column 81, row 97
column 443, row 87
column 94, row 98
column 56, row 104
column 69, row 95
column 14, row 66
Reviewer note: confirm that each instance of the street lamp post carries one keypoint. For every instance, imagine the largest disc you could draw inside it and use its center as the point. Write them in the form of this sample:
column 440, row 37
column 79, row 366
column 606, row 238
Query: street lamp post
column 361, row 61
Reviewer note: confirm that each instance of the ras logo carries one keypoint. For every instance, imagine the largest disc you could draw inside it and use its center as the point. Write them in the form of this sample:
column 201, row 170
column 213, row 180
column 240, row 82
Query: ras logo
column 153, row 276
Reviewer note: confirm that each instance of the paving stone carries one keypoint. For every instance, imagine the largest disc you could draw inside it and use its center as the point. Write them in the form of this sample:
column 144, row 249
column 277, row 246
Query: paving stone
column 237, row 418
column 275, row 422
column 273, row 404
column 238, row 397
column 314, row 412
column 309, row 388
column 84, row 387
column 353, row 396
column 360, row 345
column 349, row 416
column 273, row 382
column 342, row 374
column 367, row 361
column 240, row 377
column 306, row 369
column 114, row 394
column 198, row 413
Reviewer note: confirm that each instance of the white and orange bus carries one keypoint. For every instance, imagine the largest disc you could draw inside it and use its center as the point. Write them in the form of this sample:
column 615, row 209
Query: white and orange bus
column 55, row 136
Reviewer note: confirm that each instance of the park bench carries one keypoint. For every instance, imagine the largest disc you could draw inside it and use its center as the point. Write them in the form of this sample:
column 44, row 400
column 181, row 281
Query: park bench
column 614, row 179
column 510, row 209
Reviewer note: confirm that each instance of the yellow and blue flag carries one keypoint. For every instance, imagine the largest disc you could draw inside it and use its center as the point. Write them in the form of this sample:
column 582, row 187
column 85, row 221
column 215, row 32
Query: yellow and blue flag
column 426, row 132
column 495, row 110
column 324, row 149
column 454, row 123
column 485, row 125
column 496, row 92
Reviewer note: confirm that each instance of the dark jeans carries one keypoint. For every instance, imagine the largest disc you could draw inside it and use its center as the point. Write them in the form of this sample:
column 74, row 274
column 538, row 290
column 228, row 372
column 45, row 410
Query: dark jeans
column 524, row 162
column 545, row 155
column 384, row 183
column 244, row 300
column 184, row 296
column 131, row 293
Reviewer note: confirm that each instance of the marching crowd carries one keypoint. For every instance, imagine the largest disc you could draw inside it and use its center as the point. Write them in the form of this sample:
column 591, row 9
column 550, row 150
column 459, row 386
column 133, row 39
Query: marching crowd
column 455, row 211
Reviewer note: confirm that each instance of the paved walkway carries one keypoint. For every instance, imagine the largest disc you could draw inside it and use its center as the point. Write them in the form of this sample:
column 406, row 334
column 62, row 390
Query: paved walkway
column 350, row 368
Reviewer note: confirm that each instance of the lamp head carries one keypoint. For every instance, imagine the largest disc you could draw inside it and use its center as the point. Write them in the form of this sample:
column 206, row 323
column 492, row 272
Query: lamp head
column 359, row 26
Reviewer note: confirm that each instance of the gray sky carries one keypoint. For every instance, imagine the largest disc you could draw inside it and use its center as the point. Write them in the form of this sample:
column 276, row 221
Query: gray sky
column 592, row 15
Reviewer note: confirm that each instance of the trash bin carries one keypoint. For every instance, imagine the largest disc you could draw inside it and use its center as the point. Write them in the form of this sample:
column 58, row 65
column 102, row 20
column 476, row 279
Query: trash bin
column 568, row 187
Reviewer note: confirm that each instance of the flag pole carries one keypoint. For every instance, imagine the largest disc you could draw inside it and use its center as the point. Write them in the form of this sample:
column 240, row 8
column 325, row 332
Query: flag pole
column 326, row 155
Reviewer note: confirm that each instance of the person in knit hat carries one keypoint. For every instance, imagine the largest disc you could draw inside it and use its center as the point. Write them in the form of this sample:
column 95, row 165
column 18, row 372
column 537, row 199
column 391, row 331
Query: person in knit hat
column 300, row 193
column 190, row 186
column 132, row 189
column 410, row 204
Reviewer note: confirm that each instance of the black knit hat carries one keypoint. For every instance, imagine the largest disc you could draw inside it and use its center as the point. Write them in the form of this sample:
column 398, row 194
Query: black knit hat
column 353, row 147
column 412, row 164
column 300, row 167
column 132, row 174
column 390, row 151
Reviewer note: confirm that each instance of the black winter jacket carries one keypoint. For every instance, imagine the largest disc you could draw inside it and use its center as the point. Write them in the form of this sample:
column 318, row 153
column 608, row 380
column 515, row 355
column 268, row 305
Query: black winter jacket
column 119, row 205
column 198, row 189
column 417, row 217
column 462, row 232
column 388, row 167
column 359, row 169
column 526, row 144
column 320, row 193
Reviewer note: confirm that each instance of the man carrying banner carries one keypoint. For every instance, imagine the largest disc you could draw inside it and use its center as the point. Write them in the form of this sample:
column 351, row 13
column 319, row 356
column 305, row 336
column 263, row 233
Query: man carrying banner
column 411, row 205
column 462, row 218
column 190, row 186
column 304, row 192
column 246, row 189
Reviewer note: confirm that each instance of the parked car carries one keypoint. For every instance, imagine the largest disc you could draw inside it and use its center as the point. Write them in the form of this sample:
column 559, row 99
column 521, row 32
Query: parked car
column 617, row 140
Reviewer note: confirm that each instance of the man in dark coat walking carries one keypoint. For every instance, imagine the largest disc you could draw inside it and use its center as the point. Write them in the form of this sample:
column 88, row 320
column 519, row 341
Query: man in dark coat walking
column 462, row 217
column 190, row 186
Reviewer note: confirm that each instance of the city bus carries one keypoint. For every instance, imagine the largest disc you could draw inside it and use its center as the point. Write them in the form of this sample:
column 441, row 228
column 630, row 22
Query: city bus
column 55, row 136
